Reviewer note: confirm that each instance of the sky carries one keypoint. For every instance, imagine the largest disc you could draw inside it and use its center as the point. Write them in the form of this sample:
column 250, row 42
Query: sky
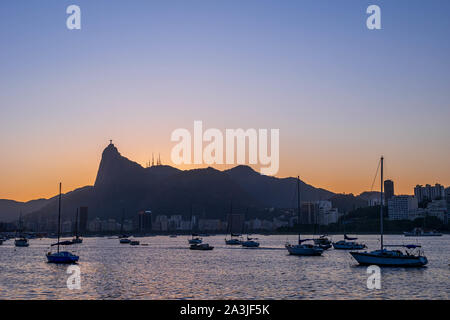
column 340, row 94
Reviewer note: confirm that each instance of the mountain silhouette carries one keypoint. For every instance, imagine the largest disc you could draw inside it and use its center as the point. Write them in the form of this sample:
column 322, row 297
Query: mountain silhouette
column 124, row 185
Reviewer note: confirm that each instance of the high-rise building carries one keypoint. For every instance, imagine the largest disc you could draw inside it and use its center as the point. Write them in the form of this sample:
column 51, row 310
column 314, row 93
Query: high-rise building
column 388, row 190
column 144, row 221
column 83, row 220
column 429, row 193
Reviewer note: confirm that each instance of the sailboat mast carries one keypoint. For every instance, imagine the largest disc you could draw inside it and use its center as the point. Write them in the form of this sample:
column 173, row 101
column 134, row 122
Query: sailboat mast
column 59, row 215
column 76, row 225
column 121, row 223
column 381, row 205
column 298, row 208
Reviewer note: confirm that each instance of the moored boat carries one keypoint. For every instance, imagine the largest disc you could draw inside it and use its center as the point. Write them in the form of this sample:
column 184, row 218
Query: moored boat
column 250, row 243
column 390, row 258
column 302, row 249
column 21, row 242
column 61, row 256
column 201, row 246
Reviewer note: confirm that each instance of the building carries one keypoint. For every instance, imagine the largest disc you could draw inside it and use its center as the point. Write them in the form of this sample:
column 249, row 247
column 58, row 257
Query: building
column 161, row 223
column 429, row 193
column 447, row 199
column 400, row 207
column 388, row 190
column 438, row 209
column 175, row 222
column 144, row 221
column 83, row 220
column 209, row 224
column 95, row 225
column 309, row 213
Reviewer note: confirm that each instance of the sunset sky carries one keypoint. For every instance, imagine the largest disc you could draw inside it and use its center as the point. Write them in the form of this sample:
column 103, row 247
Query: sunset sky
column 341, row 95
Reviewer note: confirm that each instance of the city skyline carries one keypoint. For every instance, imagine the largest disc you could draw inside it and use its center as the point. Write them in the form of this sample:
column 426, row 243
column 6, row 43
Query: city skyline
column 340, row 94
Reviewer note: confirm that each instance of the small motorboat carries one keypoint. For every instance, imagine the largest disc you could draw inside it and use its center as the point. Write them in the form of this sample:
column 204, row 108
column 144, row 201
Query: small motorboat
column 134, row 243
column 125, row 240
column 21, row 242
column 62, row 257
column 172, row 236
column 201, row 246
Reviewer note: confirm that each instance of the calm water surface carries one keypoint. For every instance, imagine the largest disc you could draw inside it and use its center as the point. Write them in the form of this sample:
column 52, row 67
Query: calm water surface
column 167, row 269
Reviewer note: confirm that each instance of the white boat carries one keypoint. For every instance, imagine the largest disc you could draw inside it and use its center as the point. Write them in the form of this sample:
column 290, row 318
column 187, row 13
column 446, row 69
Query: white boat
column 390, row 258
column 419, row 232
column 302, row 249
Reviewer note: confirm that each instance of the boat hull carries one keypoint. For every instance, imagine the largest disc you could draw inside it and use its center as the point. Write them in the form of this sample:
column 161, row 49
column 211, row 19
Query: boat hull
column 348, row 246
column 201, row 247
column 19, row 243
column 195, row 241
column 233, row 242
column 367, row 258
column 250, row 244
column 62, row 257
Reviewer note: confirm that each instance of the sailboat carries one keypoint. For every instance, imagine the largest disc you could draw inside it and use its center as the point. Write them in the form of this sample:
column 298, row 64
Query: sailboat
column 195, row 238
column 390, row 258
column 234, row 239
column 250, row 242
column 77, row 238
column 61, row 256
column 302, row 248
column 21, row 241
column 323, row 241
column 123, row 238
column 348, row 243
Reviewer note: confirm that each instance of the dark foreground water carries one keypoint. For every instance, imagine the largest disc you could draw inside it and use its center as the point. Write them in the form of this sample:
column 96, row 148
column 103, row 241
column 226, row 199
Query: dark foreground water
column 167, row 269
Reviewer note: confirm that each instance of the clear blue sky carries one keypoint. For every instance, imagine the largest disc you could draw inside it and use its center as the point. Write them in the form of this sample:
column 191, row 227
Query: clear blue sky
column 340, row 94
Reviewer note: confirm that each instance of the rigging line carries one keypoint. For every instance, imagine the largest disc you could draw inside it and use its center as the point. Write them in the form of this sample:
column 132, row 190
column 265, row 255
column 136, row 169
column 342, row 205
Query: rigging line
column 376, row 174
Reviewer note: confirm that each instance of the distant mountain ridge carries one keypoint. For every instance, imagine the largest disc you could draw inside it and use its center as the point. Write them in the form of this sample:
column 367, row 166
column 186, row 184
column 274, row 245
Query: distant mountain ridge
column 122, row 184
